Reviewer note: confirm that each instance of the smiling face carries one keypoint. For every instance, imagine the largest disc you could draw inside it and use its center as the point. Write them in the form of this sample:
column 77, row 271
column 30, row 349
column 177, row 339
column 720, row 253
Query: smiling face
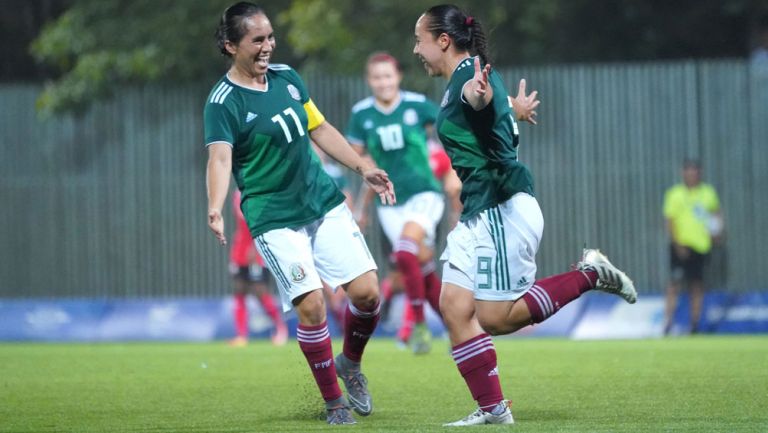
column 384, row 81
column 428, row 48
column 252, row 53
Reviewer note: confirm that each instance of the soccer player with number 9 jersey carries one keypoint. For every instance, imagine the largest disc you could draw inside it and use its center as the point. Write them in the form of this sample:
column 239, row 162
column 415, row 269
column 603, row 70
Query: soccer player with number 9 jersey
column 489, row 276
column 258, row 122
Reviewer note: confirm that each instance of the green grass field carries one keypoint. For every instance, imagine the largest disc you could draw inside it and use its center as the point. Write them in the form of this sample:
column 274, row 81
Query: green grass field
column 703, row 384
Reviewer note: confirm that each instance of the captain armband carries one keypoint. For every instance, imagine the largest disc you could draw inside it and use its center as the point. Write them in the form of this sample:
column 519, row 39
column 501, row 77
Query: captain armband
column 314, row 116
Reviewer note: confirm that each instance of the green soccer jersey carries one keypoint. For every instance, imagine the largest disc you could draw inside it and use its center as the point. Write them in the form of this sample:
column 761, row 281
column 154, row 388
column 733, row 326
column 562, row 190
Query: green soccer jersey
column 397, row 141
column 482, row 144
column 281, row 178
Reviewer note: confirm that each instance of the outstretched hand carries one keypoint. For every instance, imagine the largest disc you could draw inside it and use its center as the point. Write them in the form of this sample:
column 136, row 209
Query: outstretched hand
column 379, row 182
column 525, row 105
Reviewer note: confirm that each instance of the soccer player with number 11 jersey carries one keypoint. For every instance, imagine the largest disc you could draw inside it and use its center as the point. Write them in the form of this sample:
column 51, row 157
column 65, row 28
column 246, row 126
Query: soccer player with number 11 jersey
column 258, row 121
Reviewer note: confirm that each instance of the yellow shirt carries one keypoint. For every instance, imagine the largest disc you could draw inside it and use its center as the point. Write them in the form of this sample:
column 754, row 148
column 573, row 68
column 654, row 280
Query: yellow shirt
column 690, row 210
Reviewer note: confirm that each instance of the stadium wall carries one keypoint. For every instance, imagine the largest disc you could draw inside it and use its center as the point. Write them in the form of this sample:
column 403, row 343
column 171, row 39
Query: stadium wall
column 111, row 204
column 593, row 316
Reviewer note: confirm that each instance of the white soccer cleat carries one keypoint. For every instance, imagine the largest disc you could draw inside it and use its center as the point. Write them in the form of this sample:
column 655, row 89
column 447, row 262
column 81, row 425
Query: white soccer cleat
column 609, row 278
column 480, row 417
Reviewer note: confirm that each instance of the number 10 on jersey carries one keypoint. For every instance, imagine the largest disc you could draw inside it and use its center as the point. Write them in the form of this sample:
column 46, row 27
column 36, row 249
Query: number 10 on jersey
column 391, row 137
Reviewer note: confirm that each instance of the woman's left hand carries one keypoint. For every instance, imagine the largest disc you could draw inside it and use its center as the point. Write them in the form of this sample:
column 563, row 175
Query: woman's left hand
column 525, row 105
column 379, row 182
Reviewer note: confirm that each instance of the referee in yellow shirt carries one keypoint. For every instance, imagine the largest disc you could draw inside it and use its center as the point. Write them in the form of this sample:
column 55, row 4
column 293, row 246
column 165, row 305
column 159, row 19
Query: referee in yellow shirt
column 694, row 221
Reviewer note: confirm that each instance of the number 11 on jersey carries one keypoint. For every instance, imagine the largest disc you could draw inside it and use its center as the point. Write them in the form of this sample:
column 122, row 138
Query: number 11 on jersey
column 277, row 118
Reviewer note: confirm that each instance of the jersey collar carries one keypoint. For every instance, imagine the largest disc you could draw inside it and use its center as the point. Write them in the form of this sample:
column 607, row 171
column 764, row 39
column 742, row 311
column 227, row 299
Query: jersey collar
column 251, row 89
column 392, row 109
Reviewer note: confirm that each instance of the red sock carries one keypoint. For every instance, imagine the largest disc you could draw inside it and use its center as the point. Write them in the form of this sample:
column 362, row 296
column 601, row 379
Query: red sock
column 268, row 303
column 547, row 296
column 315, row 342
column 432, row 286
column 476, row 359
column 406, row 326
column 409, row 266
column 386, row 289
column 241, row 315
column 358, row 328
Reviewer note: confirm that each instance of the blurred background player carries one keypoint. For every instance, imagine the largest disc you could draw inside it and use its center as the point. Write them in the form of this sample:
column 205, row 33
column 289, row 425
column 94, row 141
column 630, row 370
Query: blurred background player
column 250, row 276
column 694, row 221
column 392, row 284
column 392, row 127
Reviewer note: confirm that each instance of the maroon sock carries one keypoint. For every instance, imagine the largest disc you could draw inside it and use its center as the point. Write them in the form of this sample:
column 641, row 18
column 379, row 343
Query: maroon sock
column 548, row 295
column 241, row 315
column 358, row 328
column 268, row 303
column 432, row 286
column 315, row 342
column 408, row 265
column 476, row 359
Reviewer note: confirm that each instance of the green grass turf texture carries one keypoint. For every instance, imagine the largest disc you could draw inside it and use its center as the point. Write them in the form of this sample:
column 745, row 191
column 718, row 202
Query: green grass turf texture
column 708, row 384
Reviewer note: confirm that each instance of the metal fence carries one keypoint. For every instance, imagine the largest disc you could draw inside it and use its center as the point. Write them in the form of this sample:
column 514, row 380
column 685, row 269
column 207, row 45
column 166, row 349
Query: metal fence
column 112, row 204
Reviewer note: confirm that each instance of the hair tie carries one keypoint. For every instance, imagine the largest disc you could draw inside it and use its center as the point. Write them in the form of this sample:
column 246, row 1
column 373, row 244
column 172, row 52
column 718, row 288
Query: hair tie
column 469, row 21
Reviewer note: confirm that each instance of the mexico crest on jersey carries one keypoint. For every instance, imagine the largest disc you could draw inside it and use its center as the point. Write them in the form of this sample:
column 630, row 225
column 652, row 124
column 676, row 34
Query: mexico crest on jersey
column 447, row 95
column 297, row 273
column 294, row 92
column 410, row 117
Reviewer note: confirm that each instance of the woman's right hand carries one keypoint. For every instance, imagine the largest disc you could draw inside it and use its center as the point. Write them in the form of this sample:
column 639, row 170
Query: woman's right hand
column 216, row 224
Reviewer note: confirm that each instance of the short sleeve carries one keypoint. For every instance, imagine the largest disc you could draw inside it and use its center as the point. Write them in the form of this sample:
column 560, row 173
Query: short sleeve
column 669, row 203
column 428, row 112
column 355, row 132
column 219, row 124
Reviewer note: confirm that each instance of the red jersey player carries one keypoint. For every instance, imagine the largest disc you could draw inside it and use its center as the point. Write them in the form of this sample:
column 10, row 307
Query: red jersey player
column 250, row 275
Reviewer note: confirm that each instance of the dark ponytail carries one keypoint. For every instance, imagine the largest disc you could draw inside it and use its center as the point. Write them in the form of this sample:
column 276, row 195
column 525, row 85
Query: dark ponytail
column 465, row 30
column 232, row 25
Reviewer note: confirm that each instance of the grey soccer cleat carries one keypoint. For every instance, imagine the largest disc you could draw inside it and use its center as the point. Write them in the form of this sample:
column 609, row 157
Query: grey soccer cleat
column 480, row 416
column 421, row 339
column 338, row 412
column 356, row 385
column 609, row 278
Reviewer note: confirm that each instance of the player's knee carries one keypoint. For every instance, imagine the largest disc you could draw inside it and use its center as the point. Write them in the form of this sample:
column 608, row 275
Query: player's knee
column 455, row 312
column 493, row 325
column 311, row 308
column 363, row 291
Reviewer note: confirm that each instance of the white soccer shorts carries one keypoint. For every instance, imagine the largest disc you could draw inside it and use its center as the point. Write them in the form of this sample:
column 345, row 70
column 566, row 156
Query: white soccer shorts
column 331, row 248
column 494, row 253
column 425, row 209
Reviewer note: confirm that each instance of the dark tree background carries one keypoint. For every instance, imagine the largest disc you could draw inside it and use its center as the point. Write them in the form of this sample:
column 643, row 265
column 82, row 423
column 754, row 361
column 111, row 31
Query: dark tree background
column 85, row 48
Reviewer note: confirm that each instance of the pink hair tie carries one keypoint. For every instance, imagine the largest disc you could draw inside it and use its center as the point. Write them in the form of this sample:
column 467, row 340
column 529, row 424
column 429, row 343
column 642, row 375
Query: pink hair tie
column 469, row 21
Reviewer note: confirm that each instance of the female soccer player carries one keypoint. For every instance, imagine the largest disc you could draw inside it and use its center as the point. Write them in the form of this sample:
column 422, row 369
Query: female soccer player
column 392, row 127
column 489, row 284
column 258, row 121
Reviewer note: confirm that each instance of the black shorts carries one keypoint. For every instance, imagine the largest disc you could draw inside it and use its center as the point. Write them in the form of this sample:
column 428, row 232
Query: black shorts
column 253, row 273
column 690, row 268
